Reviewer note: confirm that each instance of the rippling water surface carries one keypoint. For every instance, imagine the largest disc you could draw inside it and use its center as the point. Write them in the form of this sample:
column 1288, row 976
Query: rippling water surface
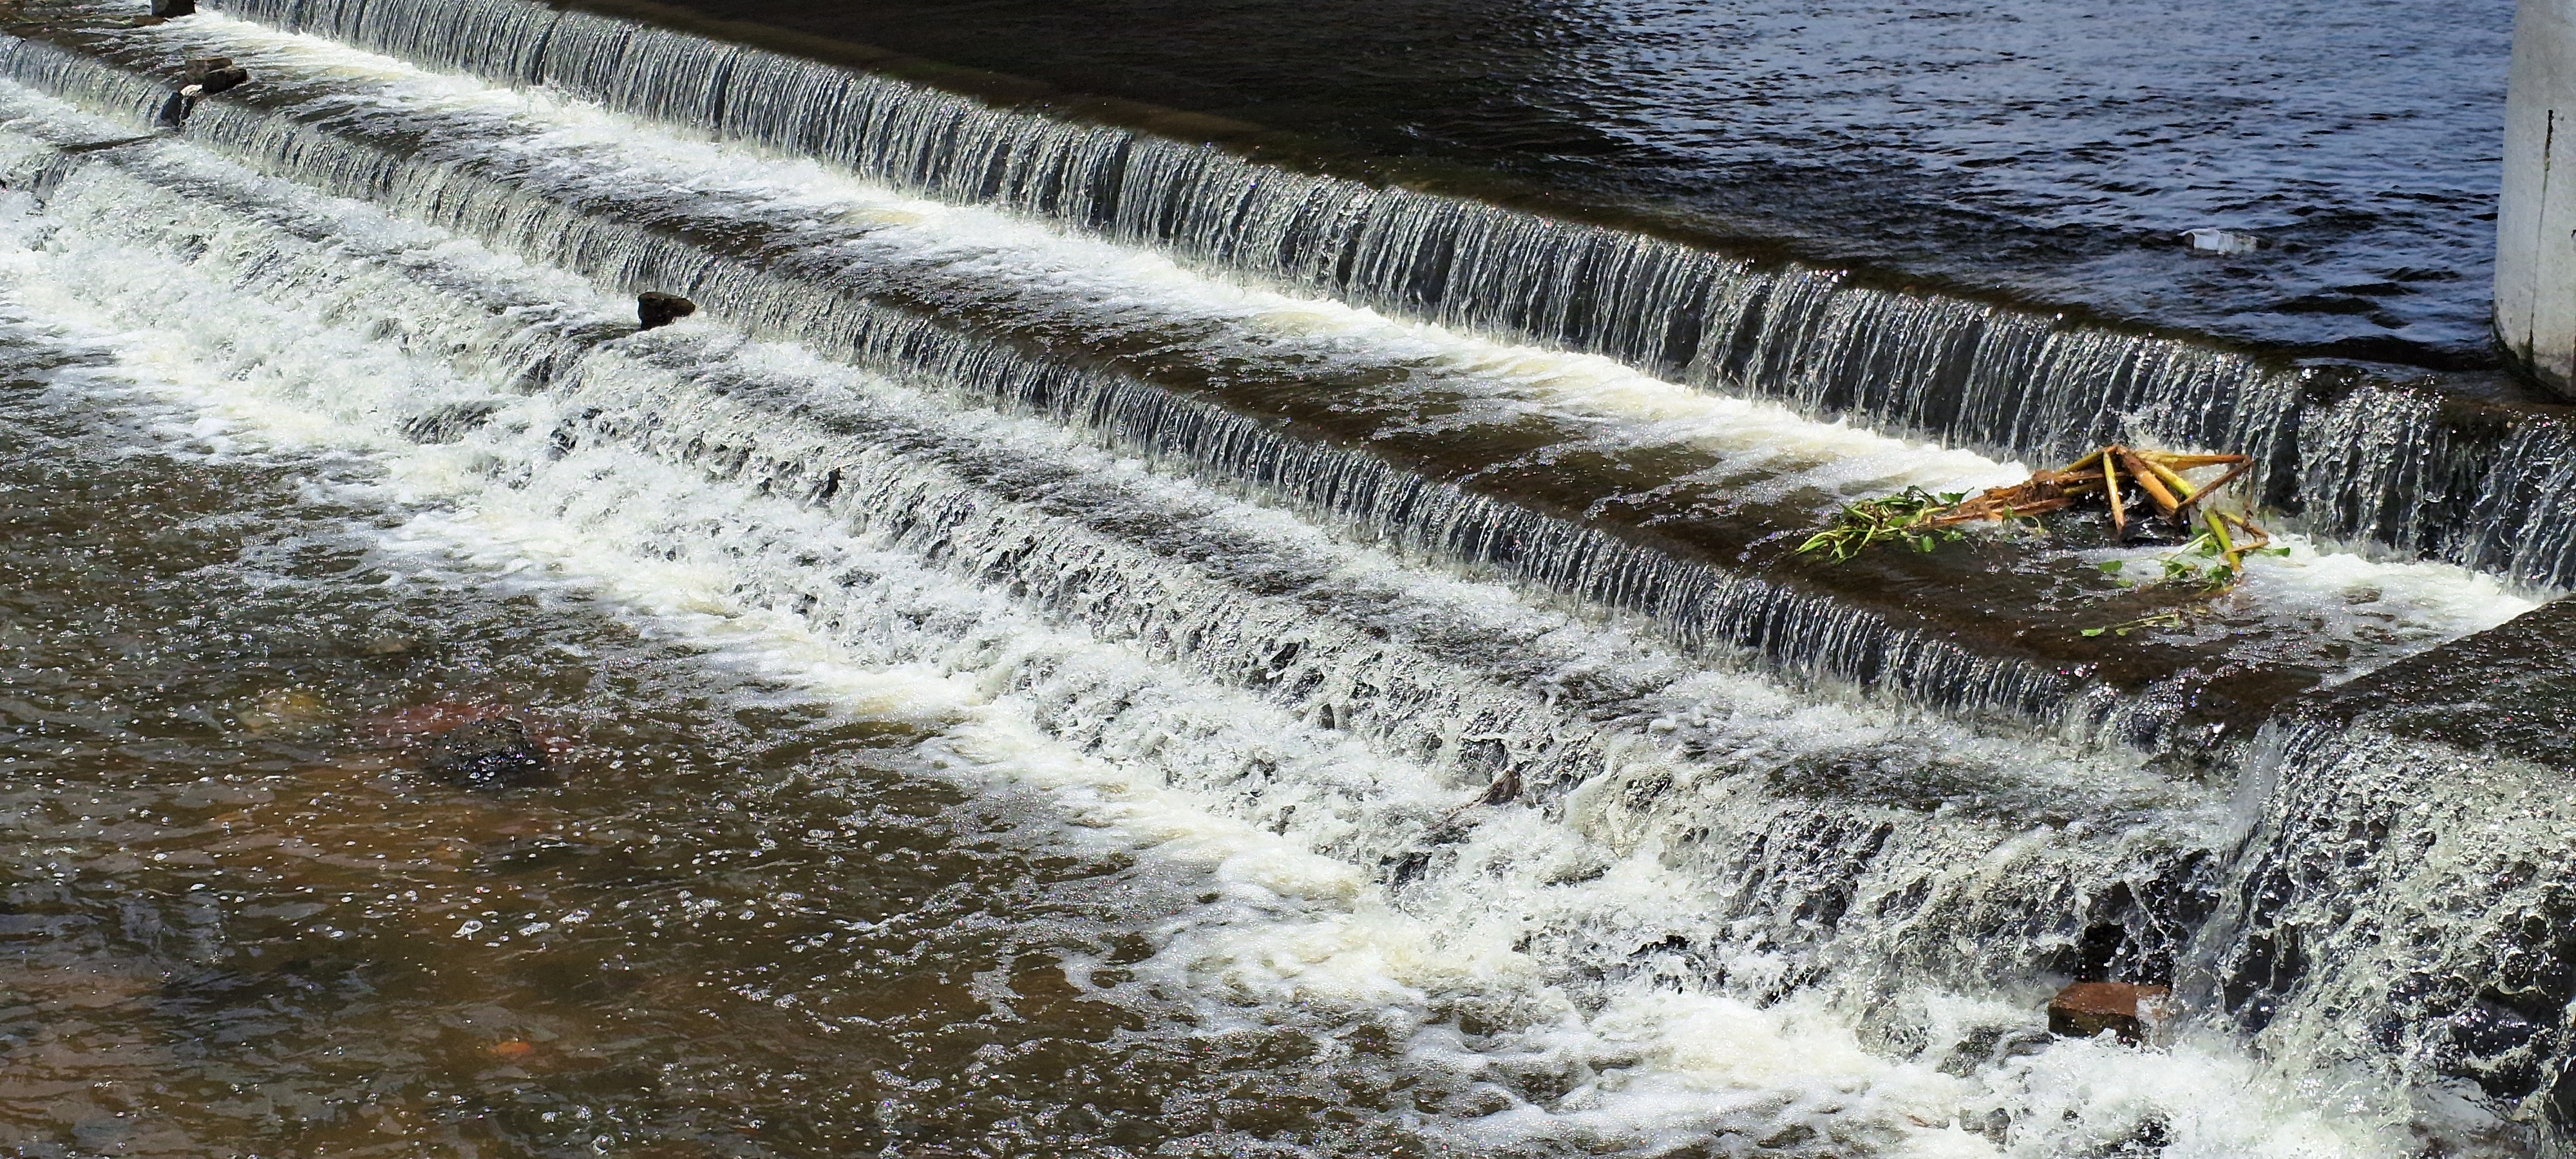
column 2050, row 150
column 748, row 922
column 945, row 773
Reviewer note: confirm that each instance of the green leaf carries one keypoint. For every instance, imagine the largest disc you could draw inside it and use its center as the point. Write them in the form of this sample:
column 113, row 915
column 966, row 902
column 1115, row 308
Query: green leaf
column 2108, row 566
column 2095, row 631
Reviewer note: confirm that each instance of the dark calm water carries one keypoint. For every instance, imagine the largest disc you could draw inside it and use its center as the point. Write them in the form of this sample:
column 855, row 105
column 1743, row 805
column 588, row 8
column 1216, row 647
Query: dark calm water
column 2051, row 150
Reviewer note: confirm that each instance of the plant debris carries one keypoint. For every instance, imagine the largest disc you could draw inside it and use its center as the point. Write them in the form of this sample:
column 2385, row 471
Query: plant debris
column 1908, row 515
column 2202, row 564
column 2168, row 618
column 2122, row 478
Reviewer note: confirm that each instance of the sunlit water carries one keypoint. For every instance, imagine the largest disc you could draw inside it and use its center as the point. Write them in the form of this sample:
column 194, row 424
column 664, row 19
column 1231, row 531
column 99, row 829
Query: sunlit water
column 2045, row 148
column 1023, row 836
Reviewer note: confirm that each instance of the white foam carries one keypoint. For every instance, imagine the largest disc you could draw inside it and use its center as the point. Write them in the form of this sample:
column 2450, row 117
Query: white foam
column 1532, row 931
column 1619, row 405
column 2370, row 609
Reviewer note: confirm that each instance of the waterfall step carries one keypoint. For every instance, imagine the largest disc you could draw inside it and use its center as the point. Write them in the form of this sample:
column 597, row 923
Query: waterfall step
column 2352, row 453
column 965, row 520
column 2401, row 900
column 2509, row 690
column 1694, row 527
column 1192, row 636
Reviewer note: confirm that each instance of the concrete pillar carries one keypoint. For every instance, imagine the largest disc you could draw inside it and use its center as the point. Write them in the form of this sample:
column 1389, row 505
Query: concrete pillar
column 2535, row 292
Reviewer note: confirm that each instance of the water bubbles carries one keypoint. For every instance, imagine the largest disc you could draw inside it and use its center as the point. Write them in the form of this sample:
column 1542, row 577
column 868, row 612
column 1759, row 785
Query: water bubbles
column 1678, row 930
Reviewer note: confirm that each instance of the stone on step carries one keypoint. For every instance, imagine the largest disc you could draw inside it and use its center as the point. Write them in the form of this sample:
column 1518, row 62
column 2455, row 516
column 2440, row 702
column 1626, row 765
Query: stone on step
column 654, row 308
column 488, row 754
column 169, row 8
column 219, row 80
column 2128, row 1011
column 197, row 68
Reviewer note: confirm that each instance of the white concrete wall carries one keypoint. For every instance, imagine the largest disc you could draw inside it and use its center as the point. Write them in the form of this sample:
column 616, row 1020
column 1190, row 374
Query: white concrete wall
column 2536, row 226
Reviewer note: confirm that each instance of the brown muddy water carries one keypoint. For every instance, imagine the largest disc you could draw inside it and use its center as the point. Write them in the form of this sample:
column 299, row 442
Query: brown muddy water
column 239, row 922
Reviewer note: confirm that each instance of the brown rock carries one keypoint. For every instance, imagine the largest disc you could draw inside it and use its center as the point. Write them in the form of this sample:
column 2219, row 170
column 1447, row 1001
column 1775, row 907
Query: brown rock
column 2128, row 1011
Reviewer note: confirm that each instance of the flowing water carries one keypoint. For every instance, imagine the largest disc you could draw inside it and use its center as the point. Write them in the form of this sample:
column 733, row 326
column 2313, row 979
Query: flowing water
column 1026, row 683
column 2052, row 150
column 2364, row 460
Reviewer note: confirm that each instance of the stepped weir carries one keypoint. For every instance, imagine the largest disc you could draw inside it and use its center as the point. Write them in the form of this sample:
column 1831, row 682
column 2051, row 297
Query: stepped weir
column 1335, row 504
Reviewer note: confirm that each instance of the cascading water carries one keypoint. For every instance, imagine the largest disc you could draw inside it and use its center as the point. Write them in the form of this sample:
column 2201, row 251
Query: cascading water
column 1553, row 851
column 1703, row 604
column 829, row 284
column 839, row 513
column 2019, row 383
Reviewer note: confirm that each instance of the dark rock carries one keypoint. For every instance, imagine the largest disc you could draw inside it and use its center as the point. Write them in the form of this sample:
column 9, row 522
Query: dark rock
column 95, row 146
column 489, row 754
column 220, row 80
column 205, row 77
column 655, row 309
column 1985, row 1047
column 169, row 8
column 2086, row 1009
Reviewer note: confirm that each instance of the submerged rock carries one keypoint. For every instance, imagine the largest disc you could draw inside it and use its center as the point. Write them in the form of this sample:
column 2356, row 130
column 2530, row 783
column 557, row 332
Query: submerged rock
column 655, row 309
column 2128, row 1011
column 489, row 754
column 291, row 713
column 389, row 644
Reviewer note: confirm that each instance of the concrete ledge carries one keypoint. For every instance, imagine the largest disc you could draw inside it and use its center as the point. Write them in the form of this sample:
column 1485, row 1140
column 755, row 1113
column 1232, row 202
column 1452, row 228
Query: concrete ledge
column 2510, row 690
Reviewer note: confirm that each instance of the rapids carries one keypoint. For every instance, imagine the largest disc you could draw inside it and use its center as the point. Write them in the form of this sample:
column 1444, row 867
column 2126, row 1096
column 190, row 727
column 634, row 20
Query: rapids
column 1357, row 802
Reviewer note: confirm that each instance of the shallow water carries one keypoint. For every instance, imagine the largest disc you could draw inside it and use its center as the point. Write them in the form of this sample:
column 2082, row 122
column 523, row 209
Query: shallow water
column 748, row 922
column 939, row 780
column 780, row 904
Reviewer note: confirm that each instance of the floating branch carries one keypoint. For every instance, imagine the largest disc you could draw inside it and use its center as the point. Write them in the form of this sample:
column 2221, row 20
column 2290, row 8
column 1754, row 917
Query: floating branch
column 1925, row 520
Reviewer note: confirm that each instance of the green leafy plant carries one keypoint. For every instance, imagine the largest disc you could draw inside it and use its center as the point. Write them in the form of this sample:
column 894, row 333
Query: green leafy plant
column 2205, row 565
column 2171, row 618
column 1906, row 515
